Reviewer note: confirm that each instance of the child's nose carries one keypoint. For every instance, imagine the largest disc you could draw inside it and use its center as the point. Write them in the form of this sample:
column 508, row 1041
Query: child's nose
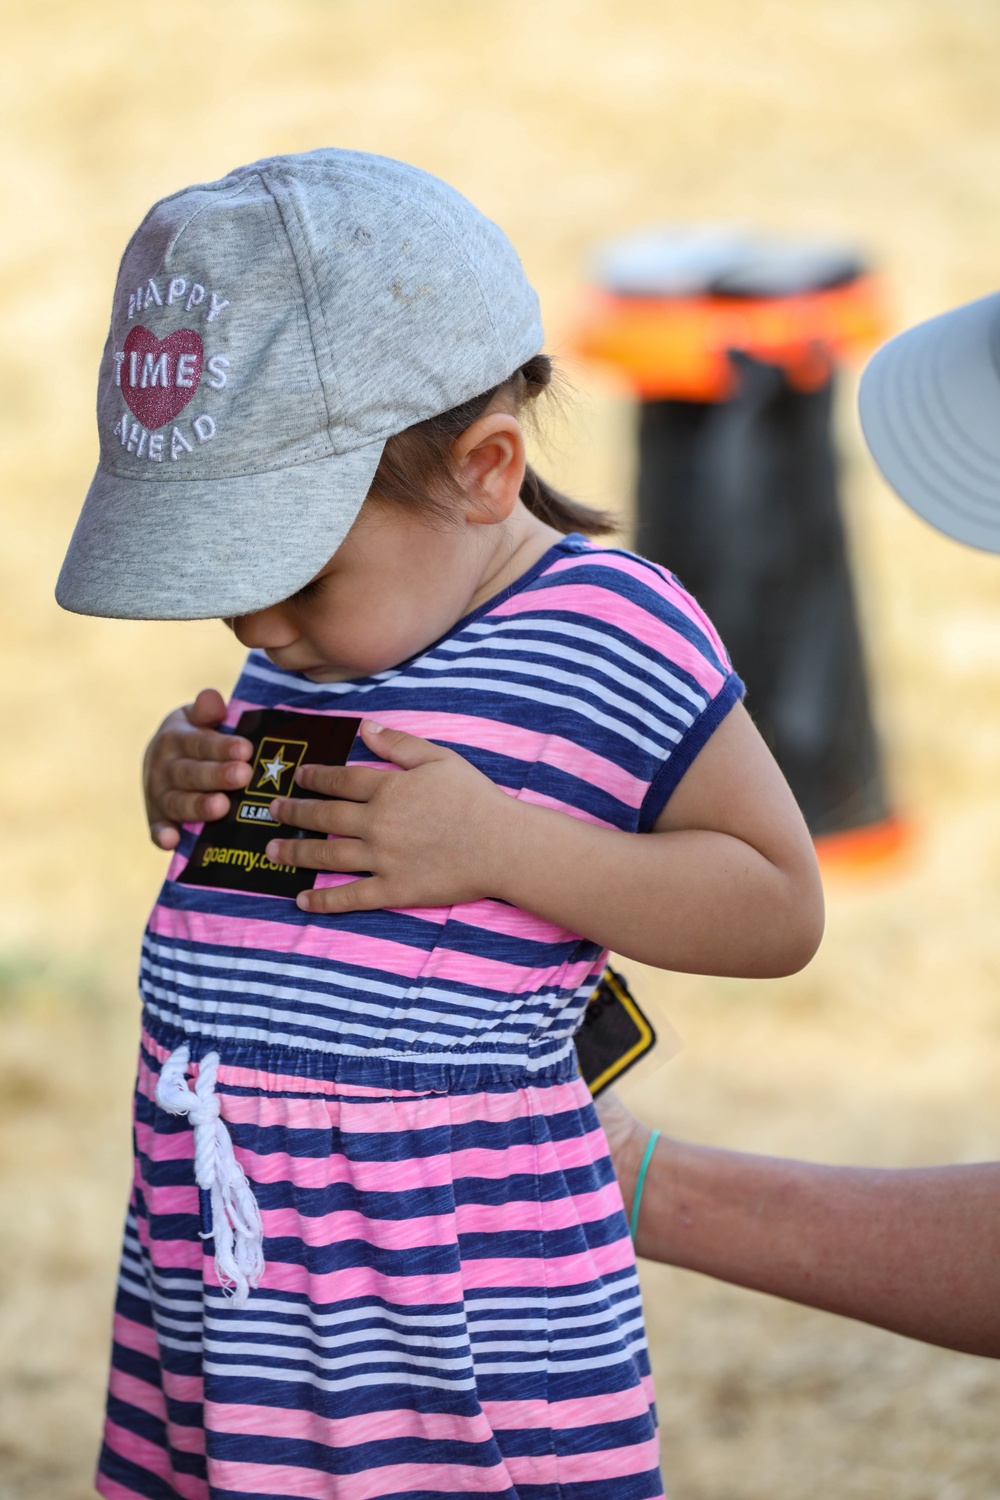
column 268, row 629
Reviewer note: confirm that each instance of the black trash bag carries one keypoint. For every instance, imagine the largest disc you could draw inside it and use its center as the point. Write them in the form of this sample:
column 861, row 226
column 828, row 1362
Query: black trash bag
column 739, row 499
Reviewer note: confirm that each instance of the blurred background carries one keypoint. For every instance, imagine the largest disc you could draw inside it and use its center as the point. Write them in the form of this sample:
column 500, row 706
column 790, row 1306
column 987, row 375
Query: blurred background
column 568, row 121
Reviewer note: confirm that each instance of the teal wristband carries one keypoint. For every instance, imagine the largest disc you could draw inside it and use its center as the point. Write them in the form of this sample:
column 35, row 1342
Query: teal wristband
column 640, row 1182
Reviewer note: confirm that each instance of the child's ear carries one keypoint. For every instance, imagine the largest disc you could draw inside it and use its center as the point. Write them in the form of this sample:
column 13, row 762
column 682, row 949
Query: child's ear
column 489, row 460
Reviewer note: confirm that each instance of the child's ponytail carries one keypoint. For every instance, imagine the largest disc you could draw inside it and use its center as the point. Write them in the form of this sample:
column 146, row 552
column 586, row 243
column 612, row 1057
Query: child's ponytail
column 545, row 502
column 414, row 469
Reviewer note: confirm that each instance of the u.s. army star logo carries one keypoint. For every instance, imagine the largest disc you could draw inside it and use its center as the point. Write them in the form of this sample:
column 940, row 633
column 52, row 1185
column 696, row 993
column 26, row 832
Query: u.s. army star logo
column 275, row 766
column 272, row 769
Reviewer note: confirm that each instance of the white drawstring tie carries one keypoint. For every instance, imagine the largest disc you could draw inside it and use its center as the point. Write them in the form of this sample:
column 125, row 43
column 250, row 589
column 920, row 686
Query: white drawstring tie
column 236, row 1223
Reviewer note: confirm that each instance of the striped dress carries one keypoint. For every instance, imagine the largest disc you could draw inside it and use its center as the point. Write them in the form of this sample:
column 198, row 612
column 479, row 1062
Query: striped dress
column 449, row 1304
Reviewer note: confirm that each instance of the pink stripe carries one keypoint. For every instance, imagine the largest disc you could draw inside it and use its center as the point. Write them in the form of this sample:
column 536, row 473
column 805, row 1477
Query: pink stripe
column 138, row 1393
column 183, row 1387
column 391, row 1479
column 362, row 1281
column 671, row 590
column 578, row 1468
column 337, row 945
column 420, row 1231
column 502, row 739
column 346, row 1224
column 564, row 1270
column 385, row 1116
column 509, row 920
column 346, row 1432
column 238, row 706
column 595, row 603
column 447, row 1287
column 310, row 1172
column 403, row 1111
column 561, row 1213
column 181, row 1255
column 159, row 1147
column 154, row 1460
column 172, row 1198
column 282, row 937
column 538, row 799
column 521, row 744
column 135, row 1336
column 581, row 1411
column 427, row 1171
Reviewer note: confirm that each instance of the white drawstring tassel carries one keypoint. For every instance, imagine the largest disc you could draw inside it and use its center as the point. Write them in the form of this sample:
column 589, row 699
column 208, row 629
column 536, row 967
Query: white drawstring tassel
column 236, row 1223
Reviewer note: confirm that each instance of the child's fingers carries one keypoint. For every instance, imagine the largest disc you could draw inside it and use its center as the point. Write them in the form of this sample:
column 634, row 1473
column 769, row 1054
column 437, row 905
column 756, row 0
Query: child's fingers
column 194, row 807
column 208, row 708
column 165, row 835
column 404, row 750
column 351, row 783
column 348, row 819
column 207, row 775
column 369, row 894
column 208, row 744
column 339, row 856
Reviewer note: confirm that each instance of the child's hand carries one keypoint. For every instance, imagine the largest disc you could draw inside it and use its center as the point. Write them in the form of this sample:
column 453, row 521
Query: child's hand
column 431, row 836
column 188, row 766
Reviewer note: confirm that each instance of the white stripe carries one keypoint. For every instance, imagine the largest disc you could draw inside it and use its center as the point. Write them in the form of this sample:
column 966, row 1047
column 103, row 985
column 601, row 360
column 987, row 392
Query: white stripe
column 349, row 1315
column 557, row 1327
column 179, row 949
column 654, row 665
column 596, row 669
column 331, row 1023
column 321, row 1012
column 553, row 1342
column 172, row 1343
column 552, row 1295
column 180, row 1325
column 219, row 1348
column 198, row 1026
column 309, row 1377
column 562, row 1366
column 554, row 700
column 351, row 1339
column 134, row 1288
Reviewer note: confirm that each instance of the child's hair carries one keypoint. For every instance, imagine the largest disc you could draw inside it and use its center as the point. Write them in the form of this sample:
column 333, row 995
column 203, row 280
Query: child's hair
column 415, row 468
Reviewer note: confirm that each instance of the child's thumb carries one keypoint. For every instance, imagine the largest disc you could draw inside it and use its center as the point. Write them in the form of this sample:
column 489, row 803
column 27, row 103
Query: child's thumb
column 207, row 710
column 404, row 750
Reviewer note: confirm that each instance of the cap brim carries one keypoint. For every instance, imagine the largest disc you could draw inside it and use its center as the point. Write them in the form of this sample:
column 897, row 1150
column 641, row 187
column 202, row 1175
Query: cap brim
column 930, row 411
column 149, row 549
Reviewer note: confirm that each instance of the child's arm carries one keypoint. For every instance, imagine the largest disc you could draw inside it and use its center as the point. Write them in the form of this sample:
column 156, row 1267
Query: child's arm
column 726, row 883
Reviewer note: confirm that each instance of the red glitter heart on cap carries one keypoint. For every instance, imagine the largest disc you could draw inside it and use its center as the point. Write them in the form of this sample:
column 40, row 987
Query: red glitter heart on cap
column 150, row 371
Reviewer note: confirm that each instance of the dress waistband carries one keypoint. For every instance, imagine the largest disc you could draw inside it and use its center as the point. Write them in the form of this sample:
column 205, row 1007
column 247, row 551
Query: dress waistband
column 435, row 1073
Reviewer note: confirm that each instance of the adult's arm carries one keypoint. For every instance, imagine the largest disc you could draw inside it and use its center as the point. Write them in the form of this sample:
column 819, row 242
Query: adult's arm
column 916, row 1251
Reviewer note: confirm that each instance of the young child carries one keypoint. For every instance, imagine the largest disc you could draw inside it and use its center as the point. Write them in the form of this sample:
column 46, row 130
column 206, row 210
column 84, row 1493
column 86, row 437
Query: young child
column 375, row 1245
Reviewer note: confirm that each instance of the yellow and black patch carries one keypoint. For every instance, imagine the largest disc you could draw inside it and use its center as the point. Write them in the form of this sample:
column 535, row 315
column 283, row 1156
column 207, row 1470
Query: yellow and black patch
column 613, row 1035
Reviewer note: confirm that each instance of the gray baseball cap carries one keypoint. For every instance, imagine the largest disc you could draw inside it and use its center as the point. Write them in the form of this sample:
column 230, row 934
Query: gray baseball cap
column 269, row 332
column 930, row 412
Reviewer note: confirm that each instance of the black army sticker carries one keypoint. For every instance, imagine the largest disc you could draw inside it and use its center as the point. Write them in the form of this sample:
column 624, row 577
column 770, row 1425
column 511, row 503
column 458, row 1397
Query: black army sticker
column 230, row 853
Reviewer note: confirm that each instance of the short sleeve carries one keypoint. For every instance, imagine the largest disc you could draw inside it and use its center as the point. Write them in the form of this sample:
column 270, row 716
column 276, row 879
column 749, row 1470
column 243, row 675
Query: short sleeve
column 661, row 674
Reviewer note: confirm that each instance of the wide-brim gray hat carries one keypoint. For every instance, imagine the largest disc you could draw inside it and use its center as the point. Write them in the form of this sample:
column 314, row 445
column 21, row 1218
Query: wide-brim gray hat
column 269, row 333
column 930, row 411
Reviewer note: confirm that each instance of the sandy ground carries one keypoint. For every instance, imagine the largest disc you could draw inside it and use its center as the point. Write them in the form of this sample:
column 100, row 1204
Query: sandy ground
column 565, row 119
